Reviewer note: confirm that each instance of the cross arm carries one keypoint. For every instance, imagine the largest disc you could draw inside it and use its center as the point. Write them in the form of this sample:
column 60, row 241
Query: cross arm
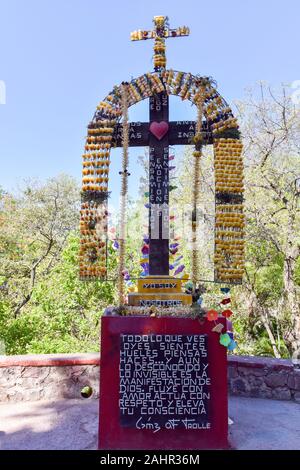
column 141, row 35
column 180, row 133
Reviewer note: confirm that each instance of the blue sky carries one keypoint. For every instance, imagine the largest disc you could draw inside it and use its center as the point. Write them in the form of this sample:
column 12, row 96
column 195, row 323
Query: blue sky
column 58, row 58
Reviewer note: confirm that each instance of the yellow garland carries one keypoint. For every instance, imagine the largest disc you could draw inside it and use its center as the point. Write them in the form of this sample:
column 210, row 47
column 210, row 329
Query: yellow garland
column 124, row 195
column 228, row 163
column 196, row 187
column 229, row 220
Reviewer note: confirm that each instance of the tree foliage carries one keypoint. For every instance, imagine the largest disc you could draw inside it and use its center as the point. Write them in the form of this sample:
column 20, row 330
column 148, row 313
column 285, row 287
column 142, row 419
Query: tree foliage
column 267, row 306
column 44, row 307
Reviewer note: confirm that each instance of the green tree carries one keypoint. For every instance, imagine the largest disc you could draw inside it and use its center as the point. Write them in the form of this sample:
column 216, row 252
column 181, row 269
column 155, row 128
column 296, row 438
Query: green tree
column 270, row 126
column 44, row 307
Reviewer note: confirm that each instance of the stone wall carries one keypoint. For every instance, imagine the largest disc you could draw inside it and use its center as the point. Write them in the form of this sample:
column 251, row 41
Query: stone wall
column 51, row 377
column 48, row 377
column 263, row 377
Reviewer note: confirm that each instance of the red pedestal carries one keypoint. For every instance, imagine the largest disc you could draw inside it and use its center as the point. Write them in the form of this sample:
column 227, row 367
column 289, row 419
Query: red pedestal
column 115, row 434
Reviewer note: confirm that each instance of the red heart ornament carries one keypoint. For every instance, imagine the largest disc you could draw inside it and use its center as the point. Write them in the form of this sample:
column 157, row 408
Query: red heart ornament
column 159, row 129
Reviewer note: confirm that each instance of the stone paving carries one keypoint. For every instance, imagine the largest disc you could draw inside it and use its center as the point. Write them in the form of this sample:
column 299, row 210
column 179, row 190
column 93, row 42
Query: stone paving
column 72, row 424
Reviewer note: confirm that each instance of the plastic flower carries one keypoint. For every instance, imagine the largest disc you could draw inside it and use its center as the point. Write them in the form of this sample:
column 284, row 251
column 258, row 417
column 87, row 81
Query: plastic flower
column 232, row 345
column 225, row 339
column 227, row 313
column 179, row 270
column 212, row 315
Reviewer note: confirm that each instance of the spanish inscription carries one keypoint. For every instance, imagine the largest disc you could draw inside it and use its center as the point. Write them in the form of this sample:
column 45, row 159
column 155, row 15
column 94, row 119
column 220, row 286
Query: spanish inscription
column 159, row 188
column 160, row 303
column 164, row 382
column 168, row 285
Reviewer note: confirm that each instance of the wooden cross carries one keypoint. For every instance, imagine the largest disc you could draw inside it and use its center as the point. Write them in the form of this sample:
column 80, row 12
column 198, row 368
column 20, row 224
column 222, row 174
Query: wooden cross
column 158, row 134
column 160, row 33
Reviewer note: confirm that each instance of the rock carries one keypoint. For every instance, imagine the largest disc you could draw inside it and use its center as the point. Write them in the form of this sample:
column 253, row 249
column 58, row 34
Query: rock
column 4, row 394
column 64, row 389
column 9, row 376
column 76, row 371
column 94, row 373
column 294, row 380
column 297, row 397
column 256, row 381
column 281, row 393
column 239, row 386
column 27, row 383
column 32, row 395
column 260, row 392
column 278, row 379
column 35, row 372
column 58, row 374
column 232, row 372
column 258, row 372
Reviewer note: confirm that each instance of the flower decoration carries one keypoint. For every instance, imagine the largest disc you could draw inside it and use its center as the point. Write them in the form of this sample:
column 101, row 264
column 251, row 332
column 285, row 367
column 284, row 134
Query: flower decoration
column 227, row 313
column 146, row 239
column 225, row 339
column 232, row 345
column 212, row 315
column 225, row 301
column 116, row 245
column 179, row 270
column 225, row 290
column 145, row 249
column 230, row 220
column 201, row 91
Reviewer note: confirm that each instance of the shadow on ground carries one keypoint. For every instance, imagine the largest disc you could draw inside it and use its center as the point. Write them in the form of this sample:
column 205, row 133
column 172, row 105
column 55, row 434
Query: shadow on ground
column 59, row 425
column 73, row 424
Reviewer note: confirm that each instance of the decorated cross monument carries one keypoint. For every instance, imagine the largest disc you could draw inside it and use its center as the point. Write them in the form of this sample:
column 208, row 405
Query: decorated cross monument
column 163, row 358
